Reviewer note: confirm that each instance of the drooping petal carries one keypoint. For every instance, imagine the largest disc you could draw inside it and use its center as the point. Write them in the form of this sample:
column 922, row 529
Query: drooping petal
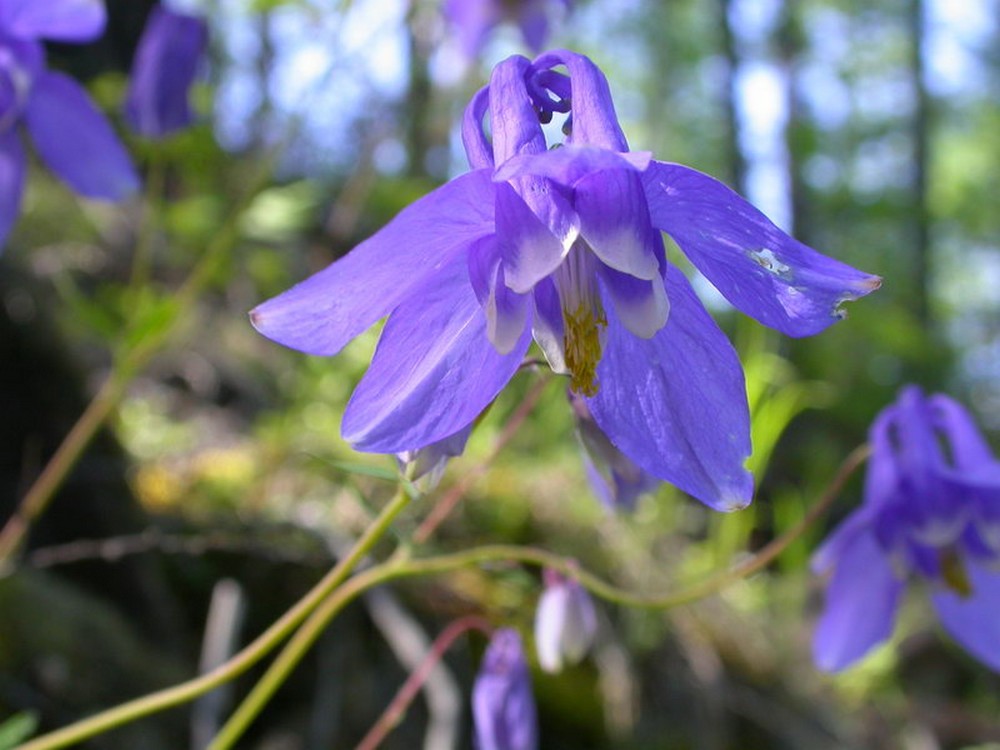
column 594, row 120
column 676, row 403
column 165, row 65
column 433, row 372
column 614, row 220
column 530, row 250
column 973, row 620
column 860, row 608
column 21, row 62
column 569, row 164
column 548, row 327
column 641, row 305
column 503, row 707
column 832, row 549
column 768, row 275
column 615, row 478
column 324, row 312
column 58, row 20
column 935, row 505
column 12, row 168
column 506, row 311
column 969, row 449
column 93, row 161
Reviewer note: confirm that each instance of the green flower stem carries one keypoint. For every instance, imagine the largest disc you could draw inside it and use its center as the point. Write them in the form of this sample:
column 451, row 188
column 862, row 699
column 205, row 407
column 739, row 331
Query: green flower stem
column 267, row 641
column 332, row 597
column 402, row 567
column 142, row 259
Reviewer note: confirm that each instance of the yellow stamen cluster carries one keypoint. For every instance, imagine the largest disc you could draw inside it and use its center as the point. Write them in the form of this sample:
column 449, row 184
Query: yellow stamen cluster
column 954, row 574
column 582, row 343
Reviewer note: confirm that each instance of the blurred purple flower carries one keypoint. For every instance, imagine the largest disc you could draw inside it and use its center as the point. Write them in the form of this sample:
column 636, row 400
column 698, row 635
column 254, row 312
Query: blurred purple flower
column 165, row 65
column 71, row 136
column 474, row 19
column 931, row 511
column 563, row 245
column 503, row 707
column 617, row 480
column 565, row 622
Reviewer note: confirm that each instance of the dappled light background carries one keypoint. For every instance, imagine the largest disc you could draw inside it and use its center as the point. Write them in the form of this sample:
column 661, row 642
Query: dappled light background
column 870, row 131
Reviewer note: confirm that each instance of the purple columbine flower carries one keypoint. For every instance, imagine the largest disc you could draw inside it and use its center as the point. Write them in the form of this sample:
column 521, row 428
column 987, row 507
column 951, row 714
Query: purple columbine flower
column 563, row 246
column 71, row 136
column 931, row 513
column 616, row 479
column 165, row 65
column 503, row 707
column 565, row 622
column 474, row 19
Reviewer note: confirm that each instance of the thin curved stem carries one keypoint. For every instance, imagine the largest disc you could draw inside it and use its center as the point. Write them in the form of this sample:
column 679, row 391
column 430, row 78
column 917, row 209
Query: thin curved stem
column 333, row 597
column 246, row 658
column 400, row 567
column 454, row 495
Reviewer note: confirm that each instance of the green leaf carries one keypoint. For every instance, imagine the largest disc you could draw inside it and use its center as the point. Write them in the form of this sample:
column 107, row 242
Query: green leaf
column 17, row 729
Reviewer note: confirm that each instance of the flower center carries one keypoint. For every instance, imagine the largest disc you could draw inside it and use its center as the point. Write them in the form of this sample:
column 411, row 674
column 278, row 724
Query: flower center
column 582, row 342
column 583, row 318
column 953, row 573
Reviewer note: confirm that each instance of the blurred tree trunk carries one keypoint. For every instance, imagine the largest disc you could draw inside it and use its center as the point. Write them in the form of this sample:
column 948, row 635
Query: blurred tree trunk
column 417, row 105
column 735, row 159
column 790, row 46
column 264, row 64
column 920, row 134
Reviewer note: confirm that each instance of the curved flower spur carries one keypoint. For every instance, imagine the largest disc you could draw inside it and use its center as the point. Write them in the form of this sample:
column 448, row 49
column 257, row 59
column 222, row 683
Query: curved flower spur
column 562, row 245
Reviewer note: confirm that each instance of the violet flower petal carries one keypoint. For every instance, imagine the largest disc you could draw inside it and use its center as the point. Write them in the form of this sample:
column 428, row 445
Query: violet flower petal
column 768, row 275
column 676, row 403
column 530, row 250
column 12, row 170
column 642, row 306
column 433, row 372
column 324, row 312
column 58, row 20
column 506, row 311
column 548, row 327
column 614, row 221
column 861, row 603
column 973, row 620
column 969, row 448
column 76, row 141
column 503, row 707
column 569, row 164
column 166, row 62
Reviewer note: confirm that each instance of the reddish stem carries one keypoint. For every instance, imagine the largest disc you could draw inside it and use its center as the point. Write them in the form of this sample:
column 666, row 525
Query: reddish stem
column 455, row 494
column 394, row 712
